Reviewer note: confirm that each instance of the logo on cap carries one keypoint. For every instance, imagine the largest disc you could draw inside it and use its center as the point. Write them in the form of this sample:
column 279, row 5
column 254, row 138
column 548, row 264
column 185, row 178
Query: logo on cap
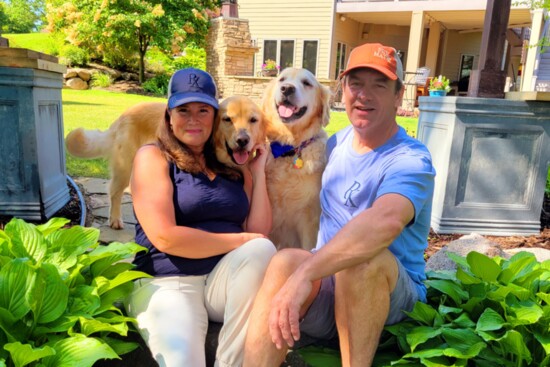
column 194, row 81
column 384, row 54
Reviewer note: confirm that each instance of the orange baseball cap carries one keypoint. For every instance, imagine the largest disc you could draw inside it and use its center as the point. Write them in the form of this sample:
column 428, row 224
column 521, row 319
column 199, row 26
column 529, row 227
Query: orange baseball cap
column 378, row 57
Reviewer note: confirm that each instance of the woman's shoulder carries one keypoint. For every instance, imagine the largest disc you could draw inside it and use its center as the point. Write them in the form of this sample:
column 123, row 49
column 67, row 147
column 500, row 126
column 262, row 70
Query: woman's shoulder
column 150, row 153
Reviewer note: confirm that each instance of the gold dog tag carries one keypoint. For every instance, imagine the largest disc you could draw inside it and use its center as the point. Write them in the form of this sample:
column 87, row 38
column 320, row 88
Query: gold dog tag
column 298, row 162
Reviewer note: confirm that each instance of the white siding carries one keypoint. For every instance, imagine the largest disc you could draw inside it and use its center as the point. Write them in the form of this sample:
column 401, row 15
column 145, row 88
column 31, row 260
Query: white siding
column 291, row 20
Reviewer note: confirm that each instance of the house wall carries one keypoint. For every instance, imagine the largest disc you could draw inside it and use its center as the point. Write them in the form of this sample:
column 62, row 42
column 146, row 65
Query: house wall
column 453, row 47
column 291, row 20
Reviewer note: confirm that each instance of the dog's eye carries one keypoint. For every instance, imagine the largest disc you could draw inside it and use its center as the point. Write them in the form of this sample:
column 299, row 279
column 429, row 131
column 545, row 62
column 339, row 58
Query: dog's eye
column 226, row 119
column 307, row 83
column 253, row 120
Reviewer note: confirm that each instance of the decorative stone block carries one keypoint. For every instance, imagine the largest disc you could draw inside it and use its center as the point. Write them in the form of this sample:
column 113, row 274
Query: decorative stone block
column 33, row 183
column 491, row 158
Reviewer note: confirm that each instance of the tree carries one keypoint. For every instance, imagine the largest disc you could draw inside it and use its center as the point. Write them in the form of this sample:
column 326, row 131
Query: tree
column 131, row 25
column 21, row 16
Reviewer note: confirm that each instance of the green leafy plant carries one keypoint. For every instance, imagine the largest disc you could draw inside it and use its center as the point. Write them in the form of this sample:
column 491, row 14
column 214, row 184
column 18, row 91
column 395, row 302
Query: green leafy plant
column 158, row 85
column 73, row 56
column 101, row 80
column 270, row 65
column 59, row 292
column 440, row 83
column 490, row 312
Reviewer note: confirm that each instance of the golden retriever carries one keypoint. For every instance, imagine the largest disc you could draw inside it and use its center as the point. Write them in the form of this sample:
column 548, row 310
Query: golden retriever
column 297, row 108
column 240, row 126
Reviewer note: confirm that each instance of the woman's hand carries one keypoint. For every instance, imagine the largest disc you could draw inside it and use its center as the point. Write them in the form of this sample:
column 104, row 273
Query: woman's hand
column 257, row 164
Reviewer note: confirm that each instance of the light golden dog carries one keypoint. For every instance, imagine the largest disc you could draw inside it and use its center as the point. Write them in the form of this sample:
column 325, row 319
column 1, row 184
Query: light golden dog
column 297, row 108
column 240, row 126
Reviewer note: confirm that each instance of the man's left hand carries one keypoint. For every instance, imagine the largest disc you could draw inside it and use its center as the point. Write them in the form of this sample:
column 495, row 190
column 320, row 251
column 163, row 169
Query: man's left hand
column 284, row 318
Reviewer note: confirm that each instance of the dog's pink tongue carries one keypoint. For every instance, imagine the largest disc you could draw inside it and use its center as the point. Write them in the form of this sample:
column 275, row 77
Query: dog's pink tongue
column 240, row 157
column 285, row 111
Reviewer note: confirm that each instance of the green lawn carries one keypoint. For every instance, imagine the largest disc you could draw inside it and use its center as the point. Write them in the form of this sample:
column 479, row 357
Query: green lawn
column 95, row 109
column 41, row 42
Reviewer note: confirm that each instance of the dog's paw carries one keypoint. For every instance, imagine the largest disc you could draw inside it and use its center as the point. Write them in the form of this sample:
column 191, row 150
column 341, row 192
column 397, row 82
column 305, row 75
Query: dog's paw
column 116, row 223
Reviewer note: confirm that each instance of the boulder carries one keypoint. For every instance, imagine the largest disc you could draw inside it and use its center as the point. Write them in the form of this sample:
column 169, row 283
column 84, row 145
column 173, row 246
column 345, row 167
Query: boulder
column 76, row 83
column 71, row 73
column 84, row 74
column 462, row 246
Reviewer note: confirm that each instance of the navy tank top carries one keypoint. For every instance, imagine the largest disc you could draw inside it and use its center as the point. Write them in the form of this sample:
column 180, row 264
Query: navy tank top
column 219, row 205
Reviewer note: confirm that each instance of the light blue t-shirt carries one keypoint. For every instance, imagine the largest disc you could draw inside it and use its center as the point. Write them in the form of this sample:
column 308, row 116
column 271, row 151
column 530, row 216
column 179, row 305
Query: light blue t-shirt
column 352, row 182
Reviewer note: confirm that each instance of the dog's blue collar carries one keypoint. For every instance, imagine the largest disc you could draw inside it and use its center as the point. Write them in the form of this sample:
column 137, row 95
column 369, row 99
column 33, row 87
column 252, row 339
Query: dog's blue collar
column 280, row 150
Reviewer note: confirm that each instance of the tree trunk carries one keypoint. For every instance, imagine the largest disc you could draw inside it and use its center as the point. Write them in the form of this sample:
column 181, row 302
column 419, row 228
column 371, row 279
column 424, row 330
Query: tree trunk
column 141, row 66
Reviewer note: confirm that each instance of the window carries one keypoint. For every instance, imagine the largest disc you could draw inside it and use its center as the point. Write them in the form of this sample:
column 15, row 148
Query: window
column 341, row 52
column 466, row 66
column 270, row 50
column 281, row 51
column 310, row 56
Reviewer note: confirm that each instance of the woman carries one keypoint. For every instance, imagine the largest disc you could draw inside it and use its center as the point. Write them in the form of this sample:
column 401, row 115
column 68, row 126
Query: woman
column 207, row 246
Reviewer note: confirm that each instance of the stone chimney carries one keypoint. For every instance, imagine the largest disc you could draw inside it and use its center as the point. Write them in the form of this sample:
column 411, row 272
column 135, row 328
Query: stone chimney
column 4, row 42
column 230, row 9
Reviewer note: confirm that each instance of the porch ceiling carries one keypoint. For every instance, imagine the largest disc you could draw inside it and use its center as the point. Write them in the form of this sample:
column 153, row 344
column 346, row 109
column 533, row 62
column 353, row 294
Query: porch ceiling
column 456, row 20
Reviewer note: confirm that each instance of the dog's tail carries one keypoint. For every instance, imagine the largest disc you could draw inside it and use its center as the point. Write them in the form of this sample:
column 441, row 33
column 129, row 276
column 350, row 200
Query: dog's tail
column 89, row 144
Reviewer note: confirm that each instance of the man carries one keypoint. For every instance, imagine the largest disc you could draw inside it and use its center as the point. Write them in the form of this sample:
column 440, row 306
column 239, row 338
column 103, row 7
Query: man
column 368, row 265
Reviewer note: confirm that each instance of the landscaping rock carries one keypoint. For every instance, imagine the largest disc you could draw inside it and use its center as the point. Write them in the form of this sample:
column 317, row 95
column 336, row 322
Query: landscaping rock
column 76, row 83
column 84, row 74
column 462, row 246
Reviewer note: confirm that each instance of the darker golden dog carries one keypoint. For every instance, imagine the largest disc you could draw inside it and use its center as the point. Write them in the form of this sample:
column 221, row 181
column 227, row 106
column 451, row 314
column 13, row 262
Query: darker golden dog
column 297, row 108
column 239, row 127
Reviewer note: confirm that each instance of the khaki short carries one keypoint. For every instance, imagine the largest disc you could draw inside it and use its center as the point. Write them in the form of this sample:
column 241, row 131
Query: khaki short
column 319, row 325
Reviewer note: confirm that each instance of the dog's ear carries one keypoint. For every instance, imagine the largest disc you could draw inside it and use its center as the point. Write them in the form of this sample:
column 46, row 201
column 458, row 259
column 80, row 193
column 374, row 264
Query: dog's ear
column 325, row 97
column 267, row 100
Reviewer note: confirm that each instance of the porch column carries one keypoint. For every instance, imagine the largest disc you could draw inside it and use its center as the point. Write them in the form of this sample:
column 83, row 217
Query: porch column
column 433, row 46
column 488, row 80
column 413, row 50
column 528, row 80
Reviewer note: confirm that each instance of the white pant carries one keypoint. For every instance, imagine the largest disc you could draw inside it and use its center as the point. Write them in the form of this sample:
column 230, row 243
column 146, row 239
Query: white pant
column 173, row 312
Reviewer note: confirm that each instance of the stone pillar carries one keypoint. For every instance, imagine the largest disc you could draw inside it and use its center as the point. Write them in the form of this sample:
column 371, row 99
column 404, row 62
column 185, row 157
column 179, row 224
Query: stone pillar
column 33, row 183
column 491, row 158
column 230, row 51
column 488, row 80
column 4, row 42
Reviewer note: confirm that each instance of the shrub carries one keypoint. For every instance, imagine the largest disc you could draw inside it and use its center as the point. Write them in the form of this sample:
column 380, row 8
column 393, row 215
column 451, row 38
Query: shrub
column 490, row 312
column 119, row 58
column 193, row 57
column 71, row 55
column 58, row 295
column 101, row 80
column 157, row 62
column 158, row 85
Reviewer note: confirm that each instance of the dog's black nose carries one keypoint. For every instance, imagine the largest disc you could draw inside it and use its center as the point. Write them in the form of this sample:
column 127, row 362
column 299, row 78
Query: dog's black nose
column 287, row 89
column 242, row 140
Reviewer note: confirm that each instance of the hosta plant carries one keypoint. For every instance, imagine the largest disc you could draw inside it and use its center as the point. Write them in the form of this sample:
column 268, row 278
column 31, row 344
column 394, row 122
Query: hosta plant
column 59, row 295
column 490, row 312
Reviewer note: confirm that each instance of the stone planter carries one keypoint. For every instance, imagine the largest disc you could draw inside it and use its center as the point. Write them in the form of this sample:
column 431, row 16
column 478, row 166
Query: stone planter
column 491, row 157
column 33, row 183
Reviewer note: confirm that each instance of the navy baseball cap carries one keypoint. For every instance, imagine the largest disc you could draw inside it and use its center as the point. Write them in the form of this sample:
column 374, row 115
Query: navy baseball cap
column 192, row 85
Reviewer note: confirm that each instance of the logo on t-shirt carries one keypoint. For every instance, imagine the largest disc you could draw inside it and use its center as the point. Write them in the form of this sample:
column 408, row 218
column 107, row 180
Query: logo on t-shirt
column 349, row 193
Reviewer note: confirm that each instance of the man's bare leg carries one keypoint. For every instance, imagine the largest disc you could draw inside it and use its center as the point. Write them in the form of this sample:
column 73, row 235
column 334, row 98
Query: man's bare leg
column 362, row 303
column 259, row 349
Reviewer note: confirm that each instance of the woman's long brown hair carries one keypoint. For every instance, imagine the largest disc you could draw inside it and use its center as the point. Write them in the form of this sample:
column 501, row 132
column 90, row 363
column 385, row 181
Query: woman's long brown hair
column 177, row 152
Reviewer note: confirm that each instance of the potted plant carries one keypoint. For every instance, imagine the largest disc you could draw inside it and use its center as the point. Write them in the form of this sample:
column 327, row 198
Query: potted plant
column 439, row 86
column 270, row 68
